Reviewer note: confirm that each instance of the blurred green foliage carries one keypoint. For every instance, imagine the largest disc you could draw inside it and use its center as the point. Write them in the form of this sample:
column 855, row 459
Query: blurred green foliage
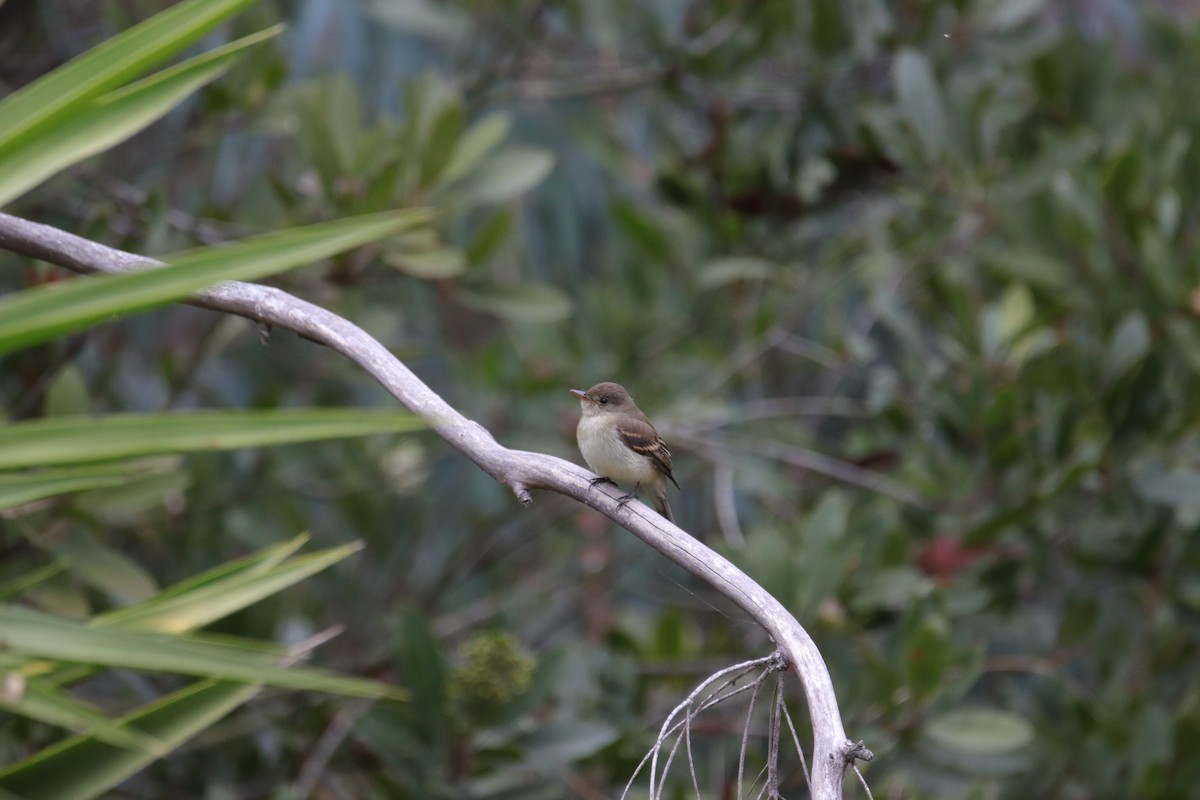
column 910, row 288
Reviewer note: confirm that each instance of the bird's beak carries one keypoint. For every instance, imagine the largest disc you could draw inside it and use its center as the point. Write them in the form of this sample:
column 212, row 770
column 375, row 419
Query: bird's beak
column 580, row 393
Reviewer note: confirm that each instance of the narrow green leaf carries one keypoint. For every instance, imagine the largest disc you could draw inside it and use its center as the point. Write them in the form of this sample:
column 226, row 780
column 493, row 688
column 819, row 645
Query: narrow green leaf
column 104, row 568
column 438, row 263
column 1031, row 266
column 642, row 230
column 216, row 593
column 53, row 706
column 17, row 490
column 1130, row 344
column 1004, row 15
column 256, row 563
column 147, row 493
column 112, row 118
column 182, row 612
column 528, row 302
column 724, row 271
column 509, row 174
column 919, row 98
column 892, row 589
column 1016, row 313
column 480, row 139
column 441, row 143
column 343, row 122
column 68, row 393
column 1177, row 488
column 46, row 312
column 77, row 440
column 18, row 586
column 1154, row 740
column 980, row 731
column 108, row 65
column 35, row 635
column 491, row 236
column 422, row 18
column 85, row 766
column 425, row 671
column 564, row 742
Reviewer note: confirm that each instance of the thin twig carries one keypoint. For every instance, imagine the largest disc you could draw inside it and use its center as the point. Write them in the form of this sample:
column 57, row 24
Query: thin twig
column 813, row 351
column 579, row 786
column 619, row 80
column 724, row 497
column 687, row 732
column 770, row 408
column 812, row 461
column 318, row 758
column 713, row 701
column 762, row 771
column 795, row 738
column 656, row 793
column 776, row 723
column 713, row 698
column 666, row 728
column 863, row 781
column 746, row 734
column 300, row 650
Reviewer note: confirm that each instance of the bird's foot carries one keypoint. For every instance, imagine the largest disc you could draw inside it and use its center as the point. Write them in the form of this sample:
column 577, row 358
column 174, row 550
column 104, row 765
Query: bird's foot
column 624, row 499
column 601, row 479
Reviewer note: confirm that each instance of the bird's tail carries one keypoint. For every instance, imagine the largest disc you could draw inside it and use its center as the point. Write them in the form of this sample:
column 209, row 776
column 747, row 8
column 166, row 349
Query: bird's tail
column 660, row 501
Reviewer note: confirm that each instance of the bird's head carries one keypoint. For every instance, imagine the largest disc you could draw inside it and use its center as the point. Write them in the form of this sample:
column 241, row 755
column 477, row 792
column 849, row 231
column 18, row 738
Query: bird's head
column 603, row 398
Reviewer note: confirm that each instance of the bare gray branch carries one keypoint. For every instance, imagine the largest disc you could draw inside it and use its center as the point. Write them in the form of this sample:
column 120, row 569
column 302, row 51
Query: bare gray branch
column 519, row 470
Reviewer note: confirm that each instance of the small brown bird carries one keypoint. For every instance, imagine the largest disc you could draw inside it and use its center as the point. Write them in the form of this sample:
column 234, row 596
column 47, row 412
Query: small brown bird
column 620, row 445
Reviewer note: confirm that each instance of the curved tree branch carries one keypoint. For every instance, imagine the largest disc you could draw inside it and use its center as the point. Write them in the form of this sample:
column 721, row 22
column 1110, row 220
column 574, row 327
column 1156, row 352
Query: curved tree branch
column 519, row 470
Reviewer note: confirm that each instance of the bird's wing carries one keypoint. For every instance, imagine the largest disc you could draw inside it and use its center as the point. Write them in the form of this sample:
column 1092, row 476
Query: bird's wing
column 640, row 437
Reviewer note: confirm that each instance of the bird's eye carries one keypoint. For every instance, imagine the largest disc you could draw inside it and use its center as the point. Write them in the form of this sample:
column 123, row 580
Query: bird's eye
column 603, row 401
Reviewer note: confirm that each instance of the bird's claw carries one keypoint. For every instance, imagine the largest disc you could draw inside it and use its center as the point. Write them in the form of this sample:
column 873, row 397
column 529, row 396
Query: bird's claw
column 624, row 499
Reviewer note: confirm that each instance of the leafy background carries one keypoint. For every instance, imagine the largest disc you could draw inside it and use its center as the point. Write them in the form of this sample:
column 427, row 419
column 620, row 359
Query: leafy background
column 911, row 289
